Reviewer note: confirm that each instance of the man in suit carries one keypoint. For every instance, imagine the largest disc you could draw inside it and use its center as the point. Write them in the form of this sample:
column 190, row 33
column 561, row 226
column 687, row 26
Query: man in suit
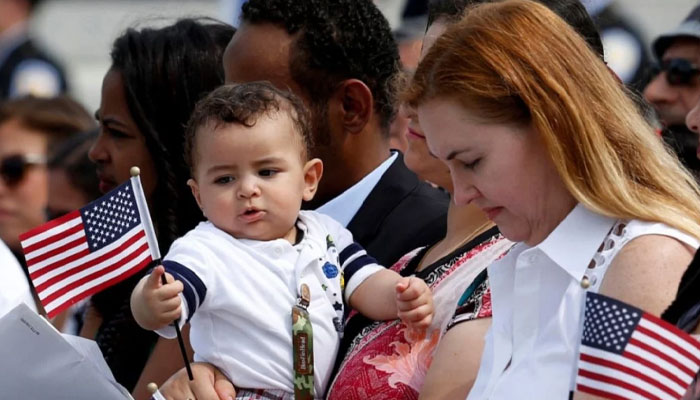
column 340, row 57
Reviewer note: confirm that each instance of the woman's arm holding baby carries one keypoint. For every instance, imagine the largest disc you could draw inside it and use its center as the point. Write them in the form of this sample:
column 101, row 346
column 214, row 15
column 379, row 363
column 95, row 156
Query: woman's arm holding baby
column 387, row 295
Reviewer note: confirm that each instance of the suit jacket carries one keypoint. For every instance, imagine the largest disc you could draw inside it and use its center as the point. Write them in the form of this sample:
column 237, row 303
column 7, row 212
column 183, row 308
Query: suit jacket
column 400, row 214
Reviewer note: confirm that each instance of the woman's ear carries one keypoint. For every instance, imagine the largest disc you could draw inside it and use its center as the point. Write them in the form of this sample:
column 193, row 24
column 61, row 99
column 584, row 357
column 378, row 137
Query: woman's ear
column 313, row 170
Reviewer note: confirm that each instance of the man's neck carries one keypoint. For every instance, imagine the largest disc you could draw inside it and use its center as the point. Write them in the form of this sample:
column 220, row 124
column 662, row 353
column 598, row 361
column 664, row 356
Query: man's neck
column 343, row 171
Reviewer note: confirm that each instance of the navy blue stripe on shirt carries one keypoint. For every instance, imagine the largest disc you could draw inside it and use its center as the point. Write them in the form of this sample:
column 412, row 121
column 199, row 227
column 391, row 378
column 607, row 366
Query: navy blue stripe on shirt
column 194, row 289
column 357, row 264
column 348, row 252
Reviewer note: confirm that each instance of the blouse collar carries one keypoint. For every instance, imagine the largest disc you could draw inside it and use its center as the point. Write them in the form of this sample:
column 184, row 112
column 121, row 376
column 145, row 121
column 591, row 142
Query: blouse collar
column 576, row 239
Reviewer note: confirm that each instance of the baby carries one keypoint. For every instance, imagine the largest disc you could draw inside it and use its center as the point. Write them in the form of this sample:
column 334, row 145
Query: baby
column 264, row 284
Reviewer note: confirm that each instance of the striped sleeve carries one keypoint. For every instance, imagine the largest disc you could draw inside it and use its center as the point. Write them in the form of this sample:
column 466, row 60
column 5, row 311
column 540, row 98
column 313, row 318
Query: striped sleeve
column 357, row 266
column 193, row 294
column 194, row 290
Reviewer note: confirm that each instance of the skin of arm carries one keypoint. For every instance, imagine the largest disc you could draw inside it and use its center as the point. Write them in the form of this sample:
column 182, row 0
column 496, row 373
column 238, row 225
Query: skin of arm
column 387, row 295
column 91, row 322
column 154, row 304
column 646, row 274
column 456, row 361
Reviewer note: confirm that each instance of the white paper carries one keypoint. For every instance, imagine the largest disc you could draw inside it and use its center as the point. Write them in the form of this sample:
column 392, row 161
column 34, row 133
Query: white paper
column 37, row 362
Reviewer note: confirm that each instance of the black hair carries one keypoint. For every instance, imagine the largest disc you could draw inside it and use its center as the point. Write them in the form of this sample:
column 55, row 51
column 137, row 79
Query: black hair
column 337, row 40
column 244, row 104
column 571, row 11
column 72, row 157
column 166, row 71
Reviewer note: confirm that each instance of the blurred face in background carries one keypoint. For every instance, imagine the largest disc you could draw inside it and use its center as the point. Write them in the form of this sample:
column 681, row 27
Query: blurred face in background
column 120, row 144
column 417, row 155
column 675, row 90
column 24, row 180
column 64, row 196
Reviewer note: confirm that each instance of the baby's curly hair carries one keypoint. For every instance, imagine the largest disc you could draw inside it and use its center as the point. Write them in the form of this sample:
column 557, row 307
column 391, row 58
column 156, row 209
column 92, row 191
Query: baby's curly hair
column 245, row 104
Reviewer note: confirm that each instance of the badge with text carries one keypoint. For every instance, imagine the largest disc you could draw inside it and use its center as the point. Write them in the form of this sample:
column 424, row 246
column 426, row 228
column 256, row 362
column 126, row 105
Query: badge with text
column 303, row 342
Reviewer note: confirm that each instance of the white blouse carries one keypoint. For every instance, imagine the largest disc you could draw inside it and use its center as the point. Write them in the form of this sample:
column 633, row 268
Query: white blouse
column 537, row 300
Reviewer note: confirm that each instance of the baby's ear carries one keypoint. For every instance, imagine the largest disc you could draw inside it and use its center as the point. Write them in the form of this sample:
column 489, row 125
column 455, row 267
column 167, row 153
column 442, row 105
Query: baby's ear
column 195, row 191
column 313, row 170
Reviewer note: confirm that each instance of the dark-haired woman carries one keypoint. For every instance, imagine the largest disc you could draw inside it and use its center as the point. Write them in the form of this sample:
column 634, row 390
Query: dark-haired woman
column 156, row 77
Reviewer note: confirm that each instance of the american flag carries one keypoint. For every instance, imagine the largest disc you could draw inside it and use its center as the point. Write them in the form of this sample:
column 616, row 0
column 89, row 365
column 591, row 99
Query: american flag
column 88, row 250
column 626, row 353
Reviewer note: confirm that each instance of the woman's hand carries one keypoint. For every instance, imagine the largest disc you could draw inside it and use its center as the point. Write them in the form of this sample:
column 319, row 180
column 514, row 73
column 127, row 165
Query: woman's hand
column 208, row 384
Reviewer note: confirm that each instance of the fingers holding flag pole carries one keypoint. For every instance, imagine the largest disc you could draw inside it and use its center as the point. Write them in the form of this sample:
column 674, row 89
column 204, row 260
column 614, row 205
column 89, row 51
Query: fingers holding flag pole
column 135, row 172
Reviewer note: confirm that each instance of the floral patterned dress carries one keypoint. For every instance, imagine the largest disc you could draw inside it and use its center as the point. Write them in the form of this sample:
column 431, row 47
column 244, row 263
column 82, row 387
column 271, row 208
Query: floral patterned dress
column 385, row 360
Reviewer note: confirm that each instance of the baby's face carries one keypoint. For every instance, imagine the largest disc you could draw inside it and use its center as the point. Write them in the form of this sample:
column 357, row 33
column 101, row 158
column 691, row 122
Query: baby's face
column 250, row 182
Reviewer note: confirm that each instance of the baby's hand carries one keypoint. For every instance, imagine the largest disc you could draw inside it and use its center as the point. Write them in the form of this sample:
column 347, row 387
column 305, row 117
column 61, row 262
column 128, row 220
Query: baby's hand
column 414, row 303
column 155, row 304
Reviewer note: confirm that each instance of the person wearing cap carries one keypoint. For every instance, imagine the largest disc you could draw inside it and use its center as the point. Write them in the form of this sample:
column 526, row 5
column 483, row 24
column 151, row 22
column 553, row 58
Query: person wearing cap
column 24, row 68
column 675, row 88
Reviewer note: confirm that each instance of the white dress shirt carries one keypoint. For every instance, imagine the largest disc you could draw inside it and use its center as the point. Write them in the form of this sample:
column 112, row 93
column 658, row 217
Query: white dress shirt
column 343, row 207
column 537, row 300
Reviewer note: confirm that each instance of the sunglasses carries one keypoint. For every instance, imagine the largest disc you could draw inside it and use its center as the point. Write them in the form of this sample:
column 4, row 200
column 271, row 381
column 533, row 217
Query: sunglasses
column 13, row 168
column 679, row 71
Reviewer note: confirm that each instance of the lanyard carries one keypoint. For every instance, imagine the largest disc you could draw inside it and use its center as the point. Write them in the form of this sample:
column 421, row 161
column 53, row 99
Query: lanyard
column 303, row 343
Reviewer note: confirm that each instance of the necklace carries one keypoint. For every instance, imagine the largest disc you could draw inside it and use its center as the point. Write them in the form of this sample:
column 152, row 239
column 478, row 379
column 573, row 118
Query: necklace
column 476, row 232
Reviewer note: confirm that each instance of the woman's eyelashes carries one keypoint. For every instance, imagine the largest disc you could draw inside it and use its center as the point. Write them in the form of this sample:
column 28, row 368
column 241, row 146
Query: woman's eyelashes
column 113, row 132
column 470, row 164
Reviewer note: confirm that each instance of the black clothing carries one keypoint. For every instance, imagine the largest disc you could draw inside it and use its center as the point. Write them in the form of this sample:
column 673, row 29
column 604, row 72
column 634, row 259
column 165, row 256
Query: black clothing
column 400, row 214
column 25, row 51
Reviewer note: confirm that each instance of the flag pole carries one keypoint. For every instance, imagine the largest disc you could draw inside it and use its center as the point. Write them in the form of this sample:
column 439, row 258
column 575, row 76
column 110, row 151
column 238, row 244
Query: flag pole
column 151, row 237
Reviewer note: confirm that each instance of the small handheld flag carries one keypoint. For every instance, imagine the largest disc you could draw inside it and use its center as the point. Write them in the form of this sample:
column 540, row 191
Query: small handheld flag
column 87, row 250
column 626, row 353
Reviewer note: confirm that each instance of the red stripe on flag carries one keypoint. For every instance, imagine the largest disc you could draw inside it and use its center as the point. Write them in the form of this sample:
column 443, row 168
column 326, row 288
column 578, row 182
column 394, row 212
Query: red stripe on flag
column 53, row 239
column 53, row 296
column 655, row 367
column 629, row 371
column 677, row 333
column 126, row 274
column 668, row 343
column 661, row 355
column 59, row 263
column 51, row 224
column 599, row 393
column 615, row 382
column 57, row 251
column 106, row 256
